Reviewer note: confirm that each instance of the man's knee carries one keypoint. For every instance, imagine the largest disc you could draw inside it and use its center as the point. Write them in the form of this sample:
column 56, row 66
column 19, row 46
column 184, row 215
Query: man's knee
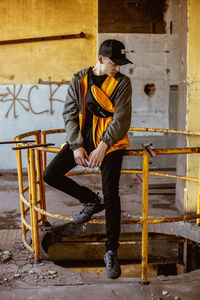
column 47, row 177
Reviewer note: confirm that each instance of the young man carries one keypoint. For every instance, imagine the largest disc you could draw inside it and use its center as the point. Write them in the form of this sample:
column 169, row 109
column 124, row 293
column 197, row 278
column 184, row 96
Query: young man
column 97, row 116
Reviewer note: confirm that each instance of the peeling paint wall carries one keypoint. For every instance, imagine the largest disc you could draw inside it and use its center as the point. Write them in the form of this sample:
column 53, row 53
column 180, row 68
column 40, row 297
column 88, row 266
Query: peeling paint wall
column 189, row 102
column 182, row 106
column 193, row 99
column 59, row 59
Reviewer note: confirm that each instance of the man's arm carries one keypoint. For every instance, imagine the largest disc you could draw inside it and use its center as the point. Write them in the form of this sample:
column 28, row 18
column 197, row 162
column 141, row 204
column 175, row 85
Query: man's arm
column 71, row 116
column 71, row 121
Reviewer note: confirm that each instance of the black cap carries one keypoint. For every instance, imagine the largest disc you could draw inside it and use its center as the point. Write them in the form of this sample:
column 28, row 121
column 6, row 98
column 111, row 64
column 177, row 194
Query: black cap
column 115, row 50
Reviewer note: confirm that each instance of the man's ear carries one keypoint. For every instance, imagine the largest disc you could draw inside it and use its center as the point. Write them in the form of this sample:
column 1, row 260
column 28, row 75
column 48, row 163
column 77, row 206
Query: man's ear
column 101, row 59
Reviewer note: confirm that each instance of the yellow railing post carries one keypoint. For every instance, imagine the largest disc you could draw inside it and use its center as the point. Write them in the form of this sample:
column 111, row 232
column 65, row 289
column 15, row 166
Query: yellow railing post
column 44, row 140
column 145, row 217
column 198, row 200
column 35, row 234
column 20, row 181
column 41, row 190
column 30, row 197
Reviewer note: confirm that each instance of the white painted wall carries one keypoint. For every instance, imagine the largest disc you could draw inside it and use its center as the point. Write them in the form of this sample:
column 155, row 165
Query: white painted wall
column 25, row 108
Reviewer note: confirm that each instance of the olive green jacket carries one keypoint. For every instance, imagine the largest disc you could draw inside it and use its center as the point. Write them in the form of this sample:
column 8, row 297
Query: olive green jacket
column 74, row 109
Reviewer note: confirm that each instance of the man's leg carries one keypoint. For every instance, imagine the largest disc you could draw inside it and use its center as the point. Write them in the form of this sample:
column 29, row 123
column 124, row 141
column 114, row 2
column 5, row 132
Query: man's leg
column 54, row 176
column 111, row 168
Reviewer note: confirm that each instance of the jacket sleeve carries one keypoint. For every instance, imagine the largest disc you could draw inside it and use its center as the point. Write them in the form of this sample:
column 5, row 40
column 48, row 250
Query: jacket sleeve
column 121, row 121
column 71, row 116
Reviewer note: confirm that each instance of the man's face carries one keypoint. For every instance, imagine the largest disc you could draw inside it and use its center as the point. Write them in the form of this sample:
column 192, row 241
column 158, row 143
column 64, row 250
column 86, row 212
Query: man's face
column 108, row 66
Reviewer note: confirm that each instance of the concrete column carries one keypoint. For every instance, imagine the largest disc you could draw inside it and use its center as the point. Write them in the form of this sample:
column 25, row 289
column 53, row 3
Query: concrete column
column 189, row 100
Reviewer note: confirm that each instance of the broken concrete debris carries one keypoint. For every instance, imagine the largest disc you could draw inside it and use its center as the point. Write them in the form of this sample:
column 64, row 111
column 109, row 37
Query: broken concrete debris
column 164, row 293
column 5, row 255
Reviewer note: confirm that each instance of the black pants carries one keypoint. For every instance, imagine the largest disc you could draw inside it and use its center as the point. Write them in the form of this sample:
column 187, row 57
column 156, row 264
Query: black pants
column 110, row 170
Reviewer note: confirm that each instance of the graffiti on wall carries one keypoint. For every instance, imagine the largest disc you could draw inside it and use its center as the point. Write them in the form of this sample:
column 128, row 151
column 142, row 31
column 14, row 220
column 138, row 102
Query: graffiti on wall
column 14, row 96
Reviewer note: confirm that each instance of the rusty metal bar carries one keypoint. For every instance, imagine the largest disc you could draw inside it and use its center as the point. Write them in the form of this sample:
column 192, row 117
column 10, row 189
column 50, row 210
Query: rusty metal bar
column 26, row 224
column 41, row 192
column 33, row 146
column 27, row 245
column 34, row 202
column 160, row 130
column 51, row 131
column 30, row 196
column 149, row 150
column 20, row 182
column 141, row 151
column 198, row 202
column 44, row 140
column 27, row 209
column 49, row 149
column 44, row 38
column 14, row 142
column 26, row 134
column 144, row 129
column 25, row 188
column 22, row 198
column 174, row 176
column 165, row 151
column 145, row 217
column 150, row 221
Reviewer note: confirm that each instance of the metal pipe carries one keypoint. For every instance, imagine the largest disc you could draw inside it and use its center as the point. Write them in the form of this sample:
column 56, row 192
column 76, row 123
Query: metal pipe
column 20, row 182
column 145, row 217
column 34, row 202
column 43, row 38
column 39, row 169
column 164, row 151
column 44, row 152
column 149, row 150
column 51, row 131
column 141, row 151
column 198, row 200
column 43, row 167
column 33, row 146
column 26, row 134
column 150, row 221
column 144, row 129
column 30, row 196
column 164, row 130
column 14, row 142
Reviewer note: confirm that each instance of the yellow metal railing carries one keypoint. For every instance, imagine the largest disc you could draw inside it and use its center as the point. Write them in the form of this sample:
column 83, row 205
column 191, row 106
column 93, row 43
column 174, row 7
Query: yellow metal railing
column 35, row 206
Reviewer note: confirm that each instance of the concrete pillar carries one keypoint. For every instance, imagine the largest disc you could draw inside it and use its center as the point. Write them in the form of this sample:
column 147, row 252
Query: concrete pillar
column 189, row 104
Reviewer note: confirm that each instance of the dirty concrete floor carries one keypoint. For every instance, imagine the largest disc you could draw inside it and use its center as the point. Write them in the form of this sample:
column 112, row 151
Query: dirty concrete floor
column 22, row 278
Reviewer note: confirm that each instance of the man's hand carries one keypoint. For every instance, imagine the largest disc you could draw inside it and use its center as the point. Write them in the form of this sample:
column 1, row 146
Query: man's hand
column 96, row 157
column 80, row 156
